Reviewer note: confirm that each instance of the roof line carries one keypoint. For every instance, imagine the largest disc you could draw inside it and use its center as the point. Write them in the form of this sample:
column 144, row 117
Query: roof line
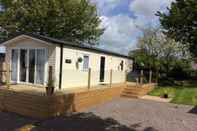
column 67, row 43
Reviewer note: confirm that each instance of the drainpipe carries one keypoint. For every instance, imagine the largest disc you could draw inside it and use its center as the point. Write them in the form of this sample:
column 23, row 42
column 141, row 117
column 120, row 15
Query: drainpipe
column 61, row 66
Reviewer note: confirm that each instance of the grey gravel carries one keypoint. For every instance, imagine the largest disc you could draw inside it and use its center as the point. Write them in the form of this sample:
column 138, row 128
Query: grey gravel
column 144, row 115
column 120, row 114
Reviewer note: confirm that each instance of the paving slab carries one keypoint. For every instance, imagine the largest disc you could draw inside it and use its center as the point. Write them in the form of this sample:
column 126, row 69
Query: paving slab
column 156, row 98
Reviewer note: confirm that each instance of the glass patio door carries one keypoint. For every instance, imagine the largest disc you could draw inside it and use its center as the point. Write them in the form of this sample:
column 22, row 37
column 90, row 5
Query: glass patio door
column 28, row 65
column 23, row 65
column 40, row 65
column 32, row 61
column 14, row 65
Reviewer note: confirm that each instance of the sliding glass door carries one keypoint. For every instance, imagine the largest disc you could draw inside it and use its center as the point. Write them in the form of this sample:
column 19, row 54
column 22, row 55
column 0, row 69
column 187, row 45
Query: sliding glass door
column 23, row 65
column 40, row 66
column 14, row 65
column 31, row 63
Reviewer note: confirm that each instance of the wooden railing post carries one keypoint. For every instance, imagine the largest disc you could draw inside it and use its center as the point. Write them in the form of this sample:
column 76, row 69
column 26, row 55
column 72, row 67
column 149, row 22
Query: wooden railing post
column 89, row 78
column 111, row 73
column 137, row 81
column 125, row 77
column 150, row 76
column 50, row 73
column 7, row 75
column 1, row 72
column 4, row 73
column 141, row 77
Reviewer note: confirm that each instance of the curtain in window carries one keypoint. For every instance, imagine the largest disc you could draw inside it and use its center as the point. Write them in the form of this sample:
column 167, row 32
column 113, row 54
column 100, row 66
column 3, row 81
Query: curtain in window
column 14, row 65
column 32, row 59
column 40, row 64
column 85, row 62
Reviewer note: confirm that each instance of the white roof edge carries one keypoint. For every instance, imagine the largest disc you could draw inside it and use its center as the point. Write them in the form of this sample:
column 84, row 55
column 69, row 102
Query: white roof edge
column 23, row 36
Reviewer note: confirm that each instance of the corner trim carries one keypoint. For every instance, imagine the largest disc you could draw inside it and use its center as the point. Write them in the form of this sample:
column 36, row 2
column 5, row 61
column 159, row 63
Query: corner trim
column 61, row 66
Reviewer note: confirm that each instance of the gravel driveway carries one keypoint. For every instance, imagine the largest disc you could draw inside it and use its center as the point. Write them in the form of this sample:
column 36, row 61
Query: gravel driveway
column 120, row 114
column 147, row 115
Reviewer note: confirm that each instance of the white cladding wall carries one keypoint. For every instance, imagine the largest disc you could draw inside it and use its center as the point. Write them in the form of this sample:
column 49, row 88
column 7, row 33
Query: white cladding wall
column 71, row 75
column 29, row 43
column 77, row 77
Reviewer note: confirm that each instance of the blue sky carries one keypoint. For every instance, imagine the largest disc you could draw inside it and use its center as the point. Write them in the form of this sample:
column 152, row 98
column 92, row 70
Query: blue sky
column 123, row 18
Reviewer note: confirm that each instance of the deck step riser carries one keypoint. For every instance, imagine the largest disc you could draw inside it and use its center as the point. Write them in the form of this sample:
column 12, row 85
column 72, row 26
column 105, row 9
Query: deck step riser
column 131, row 91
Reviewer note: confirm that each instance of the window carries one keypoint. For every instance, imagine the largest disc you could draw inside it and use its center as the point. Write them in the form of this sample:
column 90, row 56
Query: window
column 85, row 62
column 122, row 65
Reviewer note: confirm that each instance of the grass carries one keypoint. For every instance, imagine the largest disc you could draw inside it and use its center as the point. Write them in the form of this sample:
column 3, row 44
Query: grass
column 179, row 94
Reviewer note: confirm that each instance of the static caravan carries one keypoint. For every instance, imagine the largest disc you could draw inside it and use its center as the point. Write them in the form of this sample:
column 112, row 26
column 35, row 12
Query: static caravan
column 30, row 56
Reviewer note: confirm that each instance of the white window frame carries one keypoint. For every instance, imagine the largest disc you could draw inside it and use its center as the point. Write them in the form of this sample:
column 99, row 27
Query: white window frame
column 85, row 55
column 18, row 71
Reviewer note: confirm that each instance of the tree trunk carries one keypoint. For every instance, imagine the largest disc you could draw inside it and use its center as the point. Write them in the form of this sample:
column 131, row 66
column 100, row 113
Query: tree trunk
column 157, row 76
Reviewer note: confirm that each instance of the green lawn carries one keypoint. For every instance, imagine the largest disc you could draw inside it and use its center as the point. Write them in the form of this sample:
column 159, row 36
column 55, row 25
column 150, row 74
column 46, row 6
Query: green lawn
column 179, row 95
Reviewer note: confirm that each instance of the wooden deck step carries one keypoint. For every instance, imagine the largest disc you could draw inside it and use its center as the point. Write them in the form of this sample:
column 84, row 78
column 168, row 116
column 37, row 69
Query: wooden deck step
column 132, row 91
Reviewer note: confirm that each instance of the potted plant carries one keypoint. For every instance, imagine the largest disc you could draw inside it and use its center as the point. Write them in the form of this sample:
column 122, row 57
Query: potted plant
column 50, row 88
column 79, row 60
column 165, row 95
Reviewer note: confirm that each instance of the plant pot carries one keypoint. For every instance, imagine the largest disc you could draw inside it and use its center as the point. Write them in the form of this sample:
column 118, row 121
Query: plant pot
column 49, row 91
column 165, row 96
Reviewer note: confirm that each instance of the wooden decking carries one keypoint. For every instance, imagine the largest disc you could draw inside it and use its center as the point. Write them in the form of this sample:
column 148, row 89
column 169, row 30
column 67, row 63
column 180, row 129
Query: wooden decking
column 32, row 101
column 137, row 91
column 40, row 90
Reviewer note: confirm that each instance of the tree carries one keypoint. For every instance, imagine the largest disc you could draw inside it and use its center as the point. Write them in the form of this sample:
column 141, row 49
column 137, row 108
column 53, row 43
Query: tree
column 73, row 20
column 158, row 52
column 180, row 22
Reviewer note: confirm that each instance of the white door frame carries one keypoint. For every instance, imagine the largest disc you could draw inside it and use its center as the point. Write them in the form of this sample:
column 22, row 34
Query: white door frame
column 27, row 72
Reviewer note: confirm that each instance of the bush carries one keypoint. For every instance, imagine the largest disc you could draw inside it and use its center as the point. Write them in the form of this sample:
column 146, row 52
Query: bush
column 193, row 74
column 166, row 82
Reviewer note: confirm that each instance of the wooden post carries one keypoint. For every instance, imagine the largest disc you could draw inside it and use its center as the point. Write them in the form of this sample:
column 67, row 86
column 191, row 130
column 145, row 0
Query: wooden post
column 50, row 73
column 157, row 76
column 8, row 76
column 89, row 78
column 125, row 77
column 137, row 81
column 141, row 77
column 111, row 71
column 4, row 73
column 150, row 76
column 1, row 72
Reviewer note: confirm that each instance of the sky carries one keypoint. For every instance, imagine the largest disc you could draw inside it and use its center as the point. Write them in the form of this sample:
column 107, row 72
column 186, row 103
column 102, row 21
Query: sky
column 122, row 20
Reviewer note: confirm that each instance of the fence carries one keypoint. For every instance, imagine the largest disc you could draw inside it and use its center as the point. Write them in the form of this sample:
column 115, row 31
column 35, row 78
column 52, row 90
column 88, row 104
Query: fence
column 2, row 72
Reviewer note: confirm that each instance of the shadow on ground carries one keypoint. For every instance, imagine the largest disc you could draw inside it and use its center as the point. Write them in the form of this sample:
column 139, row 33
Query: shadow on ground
column 76, row 122
column 193, row 110
column 81, row 122
column 12, row 121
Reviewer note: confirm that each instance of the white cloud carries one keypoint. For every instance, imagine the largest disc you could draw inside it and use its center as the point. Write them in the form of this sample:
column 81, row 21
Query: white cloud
column 120, row 33
column 106, row 6
column 145, row 11
column 148, row 8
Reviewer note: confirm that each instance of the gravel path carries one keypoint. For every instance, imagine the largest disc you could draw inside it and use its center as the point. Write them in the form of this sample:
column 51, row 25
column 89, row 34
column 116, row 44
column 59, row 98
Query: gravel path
column 144, row 115
column 120, row 114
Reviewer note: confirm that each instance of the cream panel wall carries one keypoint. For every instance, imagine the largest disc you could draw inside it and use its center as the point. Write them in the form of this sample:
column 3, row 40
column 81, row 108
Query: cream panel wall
column 75, row 76
column 30, row 43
